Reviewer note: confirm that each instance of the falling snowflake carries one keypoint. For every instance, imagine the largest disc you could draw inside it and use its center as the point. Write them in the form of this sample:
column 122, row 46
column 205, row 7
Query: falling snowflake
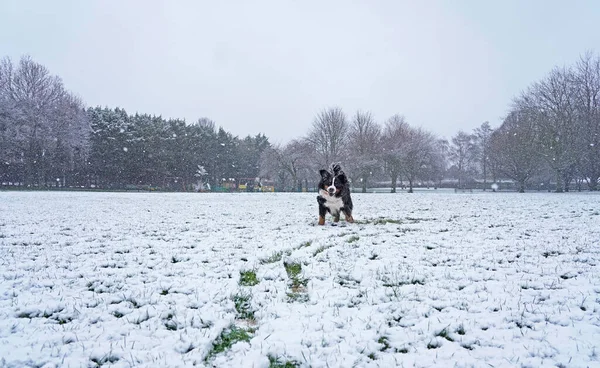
column 125, row 149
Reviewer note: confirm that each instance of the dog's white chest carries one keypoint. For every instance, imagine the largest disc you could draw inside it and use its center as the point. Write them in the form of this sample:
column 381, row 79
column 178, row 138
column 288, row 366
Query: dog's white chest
column 334, row 204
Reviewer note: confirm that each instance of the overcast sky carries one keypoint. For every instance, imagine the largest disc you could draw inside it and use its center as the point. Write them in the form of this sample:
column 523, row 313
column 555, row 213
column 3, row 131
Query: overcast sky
column 270, row 66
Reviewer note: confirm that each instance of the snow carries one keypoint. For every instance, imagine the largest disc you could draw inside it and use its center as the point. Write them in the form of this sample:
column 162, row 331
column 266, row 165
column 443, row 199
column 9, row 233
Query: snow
column 429, row 279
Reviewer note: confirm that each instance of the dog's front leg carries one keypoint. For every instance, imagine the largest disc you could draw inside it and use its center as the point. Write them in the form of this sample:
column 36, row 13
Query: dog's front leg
column 348, row 216
column 322, row 210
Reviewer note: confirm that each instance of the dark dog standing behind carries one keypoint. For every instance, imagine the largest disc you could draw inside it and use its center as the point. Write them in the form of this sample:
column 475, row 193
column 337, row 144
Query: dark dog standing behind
column 334, row 195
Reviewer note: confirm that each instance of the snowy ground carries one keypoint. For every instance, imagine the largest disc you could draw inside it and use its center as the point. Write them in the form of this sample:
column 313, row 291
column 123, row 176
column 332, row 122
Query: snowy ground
column 429, row 279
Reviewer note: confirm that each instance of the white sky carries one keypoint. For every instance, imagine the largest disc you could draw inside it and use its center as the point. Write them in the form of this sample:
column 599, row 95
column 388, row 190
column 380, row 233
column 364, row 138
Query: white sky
column 270, row 66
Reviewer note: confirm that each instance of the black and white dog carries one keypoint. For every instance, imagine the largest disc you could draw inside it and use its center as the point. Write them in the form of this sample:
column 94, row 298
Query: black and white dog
column 334, row 195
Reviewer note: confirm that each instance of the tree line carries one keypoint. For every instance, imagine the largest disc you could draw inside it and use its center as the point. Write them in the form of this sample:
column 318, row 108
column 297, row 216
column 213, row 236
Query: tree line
column 49, row 138
column 550, row 138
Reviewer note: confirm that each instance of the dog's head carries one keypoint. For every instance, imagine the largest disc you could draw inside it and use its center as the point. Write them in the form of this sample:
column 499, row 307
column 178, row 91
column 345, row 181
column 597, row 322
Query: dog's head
column 332, row 181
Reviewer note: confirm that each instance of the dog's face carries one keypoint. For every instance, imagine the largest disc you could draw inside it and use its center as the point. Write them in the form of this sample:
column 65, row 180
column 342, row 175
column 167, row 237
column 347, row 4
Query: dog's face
column 332, row 184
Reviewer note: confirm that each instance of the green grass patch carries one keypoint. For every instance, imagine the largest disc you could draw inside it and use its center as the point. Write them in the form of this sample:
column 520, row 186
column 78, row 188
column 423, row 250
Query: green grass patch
column 243, row 307
column 385, row 342
column 297, row 297
column 293, row 269
column 275, row 257
column 416, row 220
column 248, row 278
column 226, row 340
column 352, row 239
column 385, row 221
column 275, row 362
column 305, row 244
column 319, row 250
column 297, row 283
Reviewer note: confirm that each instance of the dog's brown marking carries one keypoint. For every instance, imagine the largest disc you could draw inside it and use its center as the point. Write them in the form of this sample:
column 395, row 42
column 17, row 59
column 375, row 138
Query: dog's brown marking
column 336, row 218
column 349, row 218
column 321, row 220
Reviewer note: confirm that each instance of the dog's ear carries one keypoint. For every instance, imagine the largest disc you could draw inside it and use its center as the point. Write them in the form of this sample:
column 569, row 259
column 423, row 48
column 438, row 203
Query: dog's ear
column 324, row 173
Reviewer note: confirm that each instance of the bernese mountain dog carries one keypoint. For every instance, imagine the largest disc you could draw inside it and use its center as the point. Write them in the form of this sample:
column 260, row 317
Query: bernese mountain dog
column 334, row 195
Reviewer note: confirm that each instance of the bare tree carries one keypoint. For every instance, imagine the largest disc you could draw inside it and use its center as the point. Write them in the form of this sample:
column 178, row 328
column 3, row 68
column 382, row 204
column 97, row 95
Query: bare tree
column 364, row 138
column 328, row 135
column 393, row 141
column 483, row 135
column 46, row 121
column 551, row 104
column 439, row 162
column 463, row 152
column 513, row 149
column 207, row 124
column 418, row 155
column 7, row 130
column 587, row 79
column 288, row 161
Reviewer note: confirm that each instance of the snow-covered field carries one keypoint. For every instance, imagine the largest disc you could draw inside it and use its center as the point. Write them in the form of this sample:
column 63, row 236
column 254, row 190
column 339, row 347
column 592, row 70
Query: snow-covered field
column 248, row 280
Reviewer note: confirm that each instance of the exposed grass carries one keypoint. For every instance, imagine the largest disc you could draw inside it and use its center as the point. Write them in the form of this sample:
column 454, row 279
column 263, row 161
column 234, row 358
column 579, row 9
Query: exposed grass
column 413, row 281
column 243, row 307
column 552, row 253
column 444, row 333
column 275, row 257
column 248, row 278
column 169, row 322
column 433, row 344
column 319, row 250
column 384, row 221
column 296, row 297
column 468, row 346
column 385, row 342
column 275, row 362
column 380, row 221
column 416, row 220
column 108, row 358
column 305, row 244
column 118, row 314
column 352, row 239
column 141, row 319
column 226, row 340
column 293, row 269
column 297, row 283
